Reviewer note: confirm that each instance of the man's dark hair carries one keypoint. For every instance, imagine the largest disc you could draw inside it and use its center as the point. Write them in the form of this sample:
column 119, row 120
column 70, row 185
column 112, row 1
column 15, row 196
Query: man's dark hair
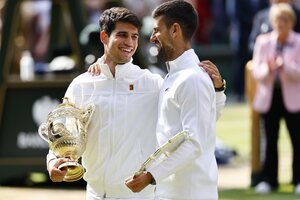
column 111, row 16
column 181, row 12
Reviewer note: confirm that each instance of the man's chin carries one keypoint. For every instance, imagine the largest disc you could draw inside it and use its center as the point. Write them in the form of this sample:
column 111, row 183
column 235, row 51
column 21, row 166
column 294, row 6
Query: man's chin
column 124, row 61
column 162, row 55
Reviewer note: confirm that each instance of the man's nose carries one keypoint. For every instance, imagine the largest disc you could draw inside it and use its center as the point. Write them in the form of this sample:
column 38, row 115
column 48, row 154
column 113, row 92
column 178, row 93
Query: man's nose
column 152, row 38
column 129, row 41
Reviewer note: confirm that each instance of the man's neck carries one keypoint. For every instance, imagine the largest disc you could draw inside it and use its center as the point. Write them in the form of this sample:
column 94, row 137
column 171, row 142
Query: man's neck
column 111, row 65
column 181, row 47
column 179, row 52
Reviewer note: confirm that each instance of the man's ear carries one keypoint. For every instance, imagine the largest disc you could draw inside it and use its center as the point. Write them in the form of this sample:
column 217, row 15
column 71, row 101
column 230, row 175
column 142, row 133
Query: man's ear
column 103, row 37
column 176, row 29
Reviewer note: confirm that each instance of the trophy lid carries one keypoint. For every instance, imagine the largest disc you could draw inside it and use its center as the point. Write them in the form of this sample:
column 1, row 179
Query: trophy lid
column 66, row 108
column 66, row 102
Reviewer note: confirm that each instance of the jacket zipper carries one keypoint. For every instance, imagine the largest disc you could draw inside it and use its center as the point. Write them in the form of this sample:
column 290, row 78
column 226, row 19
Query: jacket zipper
column 111, row 130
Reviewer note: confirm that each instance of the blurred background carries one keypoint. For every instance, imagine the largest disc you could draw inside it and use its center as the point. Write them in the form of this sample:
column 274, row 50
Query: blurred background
column 45, row 44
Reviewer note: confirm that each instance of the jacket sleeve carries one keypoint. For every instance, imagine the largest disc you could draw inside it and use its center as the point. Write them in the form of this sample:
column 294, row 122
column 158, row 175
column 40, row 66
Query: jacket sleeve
column 197, row 110
column 70, row 90
column 50, row 156
column 220, row 103
column 291, row 60
column 261, row 70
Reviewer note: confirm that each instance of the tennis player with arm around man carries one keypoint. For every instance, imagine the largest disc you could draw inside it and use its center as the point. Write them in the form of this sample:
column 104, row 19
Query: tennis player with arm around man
column 121, row 134
column 187, row 102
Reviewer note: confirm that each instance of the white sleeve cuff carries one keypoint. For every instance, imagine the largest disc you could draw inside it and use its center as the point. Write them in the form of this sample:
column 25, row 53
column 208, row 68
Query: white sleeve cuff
column 50, row 156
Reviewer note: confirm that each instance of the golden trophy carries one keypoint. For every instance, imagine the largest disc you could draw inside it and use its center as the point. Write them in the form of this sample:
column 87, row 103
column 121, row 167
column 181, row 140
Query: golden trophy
column 66, row 133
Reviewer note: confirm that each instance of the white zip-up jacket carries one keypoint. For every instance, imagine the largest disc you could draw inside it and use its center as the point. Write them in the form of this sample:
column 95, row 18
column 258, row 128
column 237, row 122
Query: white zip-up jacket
column 121, row 134
column 187, row 102
column 125, row 104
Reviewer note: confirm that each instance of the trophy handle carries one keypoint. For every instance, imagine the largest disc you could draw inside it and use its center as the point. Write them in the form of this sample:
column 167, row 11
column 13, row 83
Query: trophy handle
column 43, row 132
column 88, row 114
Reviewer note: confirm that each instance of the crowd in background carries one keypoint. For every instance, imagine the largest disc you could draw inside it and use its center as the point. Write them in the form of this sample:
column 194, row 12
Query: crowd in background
column 220, row 22
column 235, row 23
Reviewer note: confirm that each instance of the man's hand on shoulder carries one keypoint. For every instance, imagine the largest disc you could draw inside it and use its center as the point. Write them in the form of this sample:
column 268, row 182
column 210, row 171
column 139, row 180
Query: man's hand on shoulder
column 94, row 69
column 214, row 74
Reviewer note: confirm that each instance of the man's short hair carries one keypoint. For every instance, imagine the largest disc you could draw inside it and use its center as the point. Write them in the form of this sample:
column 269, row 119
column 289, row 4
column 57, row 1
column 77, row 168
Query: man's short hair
column 111, row 16
column 181, row 12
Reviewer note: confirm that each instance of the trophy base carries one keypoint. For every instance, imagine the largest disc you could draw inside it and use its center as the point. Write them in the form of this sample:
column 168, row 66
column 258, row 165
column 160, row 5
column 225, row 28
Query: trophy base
column 75, row 171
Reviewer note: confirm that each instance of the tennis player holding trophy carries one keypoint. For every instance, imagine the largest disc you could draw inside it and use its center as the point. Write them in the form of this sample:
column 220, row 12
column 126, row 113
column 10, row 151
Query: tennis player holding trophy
column 66, row 133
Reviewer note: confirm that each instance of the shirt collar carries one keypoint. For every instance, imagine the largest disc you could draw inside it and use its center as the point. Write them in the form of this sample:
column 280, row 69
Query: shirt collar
column 120, row 68
column 181, row 62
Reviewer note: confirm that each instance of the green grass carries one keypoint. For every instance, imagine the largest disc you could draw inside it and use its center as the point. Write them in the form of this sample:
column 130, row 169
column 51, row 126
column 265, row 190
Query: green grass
column 285, row 192
column 234, row 130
